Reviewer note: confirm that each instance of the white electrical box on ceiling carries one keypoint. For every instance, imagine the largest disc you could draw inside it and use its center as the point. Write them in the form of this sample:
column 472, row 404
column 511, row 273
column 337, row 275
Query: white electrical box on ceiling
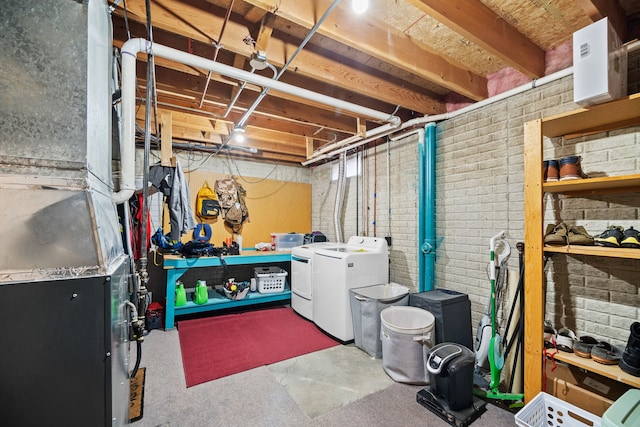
column 599, row 64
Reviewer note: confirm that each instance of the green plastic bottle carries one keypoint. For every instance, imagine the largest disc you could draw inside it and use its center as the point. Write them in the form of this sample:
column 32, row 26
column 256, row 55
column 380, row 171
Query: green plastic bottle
column 200, row 296
column 181, row 295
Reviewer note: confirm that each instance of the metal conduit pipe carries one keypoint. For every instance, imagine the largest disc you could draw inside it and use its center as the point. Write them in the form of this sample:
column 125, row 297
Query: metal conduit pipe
column 235, row 98
column 242, row 86
column 247, row 114
column 215, row 54
column 339, row 196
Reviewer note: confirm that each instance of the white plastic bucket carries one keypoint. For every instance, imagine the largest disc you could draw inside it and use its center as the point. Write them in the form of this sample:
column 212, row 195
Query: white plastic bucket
column 406, row 339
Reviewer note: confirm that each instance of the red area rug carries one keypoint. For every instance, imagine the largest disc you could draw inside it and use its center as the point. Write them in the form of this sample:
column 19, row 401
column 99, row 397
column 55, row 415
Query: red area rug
column 215, row 347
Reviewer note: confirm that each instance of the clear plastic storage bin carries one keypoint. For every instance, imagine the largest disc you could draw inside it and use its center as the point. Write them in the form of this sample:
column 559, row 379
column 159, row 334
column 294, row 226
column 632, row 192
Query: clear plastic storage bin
column 285, row 241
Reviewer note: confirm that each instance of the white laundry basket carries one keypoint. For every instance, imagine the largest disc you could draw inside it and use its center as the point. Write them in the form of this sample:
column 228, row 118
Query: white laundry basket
column 406, row 339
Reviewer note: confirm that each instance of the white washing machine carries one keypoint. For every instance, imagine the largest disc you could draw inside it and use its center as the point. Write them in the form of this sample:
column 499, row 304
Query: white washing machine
column 302, row 276
column 363, row 261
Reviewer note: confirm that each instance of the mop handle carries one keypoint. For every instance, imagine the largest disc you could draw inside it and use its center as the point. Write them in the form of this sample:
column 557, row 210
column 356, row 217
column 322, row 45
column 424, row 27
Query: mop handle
column 492, row 248
column 492, row 241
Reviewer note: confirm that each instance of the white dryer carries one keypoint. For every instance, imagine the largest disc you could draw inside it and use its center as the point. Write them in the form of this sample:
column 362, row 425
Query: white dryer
column 302, row 276
column 363, row 261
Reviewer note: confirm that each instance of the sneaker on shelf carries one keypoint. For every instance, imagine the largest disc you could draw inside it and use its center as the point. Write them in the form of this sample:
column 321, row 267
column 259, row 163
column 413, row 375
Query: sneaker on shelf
column 611, row 237
column 551, row 170
column 630, row 239
column 630, row 362
column 577, row 235
column 565, row 340
column 570, row 168
column 556, row 234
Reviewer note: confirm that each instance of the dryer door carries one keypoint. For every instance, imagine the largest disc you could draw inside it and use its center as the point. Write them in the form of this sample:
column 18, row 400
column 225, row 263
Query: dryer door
column 301, row 276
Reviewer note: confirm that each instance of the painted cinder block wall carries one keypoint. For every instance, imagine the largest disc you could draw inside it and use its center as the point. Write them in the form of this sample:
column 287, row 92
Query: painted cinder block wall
column 479, row 192
column 366, row 202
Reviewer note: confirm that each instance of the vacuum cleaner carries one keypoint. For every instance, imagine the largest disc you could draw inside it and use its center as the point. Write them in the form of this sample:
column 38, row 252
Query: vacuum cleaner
column 494, row 351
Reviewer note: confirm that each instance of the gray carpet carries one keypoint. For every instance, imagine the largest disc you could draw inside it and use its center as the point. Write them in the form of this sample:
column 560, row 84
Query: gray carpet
column 264, row 396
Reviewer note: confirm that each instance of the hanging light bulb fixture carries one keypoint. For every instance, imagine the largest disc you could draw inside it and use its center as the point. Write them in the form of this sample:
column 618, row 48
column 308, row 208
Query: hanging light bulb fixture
column 238, row 133
column 359, row 6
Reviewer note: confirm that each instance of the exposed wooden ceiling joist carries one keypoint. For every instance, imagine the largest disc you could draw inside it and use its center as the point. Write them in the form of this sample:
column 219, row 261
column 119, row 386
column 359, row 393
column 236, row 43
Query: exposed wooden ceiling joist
column 380, row 42
column 404, row 57
column 197, row 20
column 482, row 26
column 598, row 9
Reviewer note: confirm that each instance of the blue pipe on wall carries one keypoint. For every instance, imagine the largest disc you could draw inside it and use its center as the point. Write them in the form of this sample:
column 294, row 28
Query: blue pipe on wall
column 427, row 209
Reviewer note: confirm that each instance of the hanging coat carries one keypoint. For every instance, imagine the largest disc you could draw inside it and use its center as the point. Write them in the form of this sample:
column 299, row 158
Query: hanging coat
column 180, row 212
column 172, row 182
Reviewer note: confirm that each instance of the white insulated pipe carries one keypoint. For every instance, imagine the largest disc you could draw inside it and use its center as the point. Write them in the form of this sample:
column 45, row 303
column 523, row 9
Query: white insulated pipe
column 130, row 52
column 385, row 130
column 356, row 141
column 132, row 47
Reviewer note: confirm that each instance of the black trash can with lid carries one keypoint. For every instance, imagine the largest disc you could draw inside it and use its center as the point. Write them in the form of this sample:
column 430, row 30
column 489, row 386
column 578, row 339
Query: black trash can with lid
column 452, row 311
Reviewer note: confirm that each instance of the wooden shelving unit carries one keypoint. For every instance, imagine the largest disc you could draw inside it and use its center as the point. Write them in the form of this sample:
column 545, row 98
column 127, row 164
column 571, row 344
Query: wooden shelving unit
column 610, row 371
column 599, row 118
column 594, row 251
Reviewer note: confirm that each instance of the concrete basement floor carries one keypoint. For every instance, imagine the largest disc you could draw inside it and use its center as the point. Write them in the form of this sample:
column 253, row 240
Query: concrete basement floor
column 341, row 385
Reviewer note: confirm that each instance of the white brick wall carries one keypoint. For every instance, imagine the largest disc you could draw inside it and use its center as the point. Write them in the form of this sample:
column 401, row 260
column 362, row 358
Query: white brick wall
column 366, row 205
column 479, row 180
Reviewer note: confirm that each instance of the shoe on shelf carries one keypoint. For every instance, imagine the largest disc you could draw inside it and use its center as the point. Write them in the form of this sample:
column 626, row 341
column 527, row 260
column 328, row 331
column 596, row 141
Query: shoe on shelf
column 583, row 346
column 577, row 235
column 630, row 239
column 551, row 170
column 630, row 362
column 565, row 340
column 570, row 168
column 611, row 237
column 549, row 335
column 556, row 234
column 607, row 354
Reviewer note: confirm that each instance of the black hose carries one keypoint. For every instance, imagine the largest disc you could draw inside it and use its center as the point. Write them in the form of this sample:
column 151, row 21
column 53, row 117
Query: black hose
column 138, row 358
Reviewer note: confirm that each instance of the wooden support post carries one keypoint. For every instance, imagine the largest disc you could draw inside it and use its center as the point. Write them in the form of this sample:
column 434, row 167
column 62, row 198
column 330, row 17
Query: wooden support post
column 361, row 127
column 309, row 141
column 166, row 149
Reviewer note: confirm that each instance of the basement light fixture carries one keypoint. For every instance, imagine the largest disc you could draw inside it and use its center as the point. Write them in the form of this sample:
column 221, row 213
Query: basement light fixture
column 359, row 6
column 258, row 60
column 238, row 133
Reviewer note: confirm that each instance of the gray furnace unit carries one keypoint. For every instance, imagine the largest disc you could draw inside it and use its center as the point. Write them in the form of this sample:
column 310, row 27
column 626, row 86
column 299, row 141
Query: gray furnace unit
column 64, row 274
